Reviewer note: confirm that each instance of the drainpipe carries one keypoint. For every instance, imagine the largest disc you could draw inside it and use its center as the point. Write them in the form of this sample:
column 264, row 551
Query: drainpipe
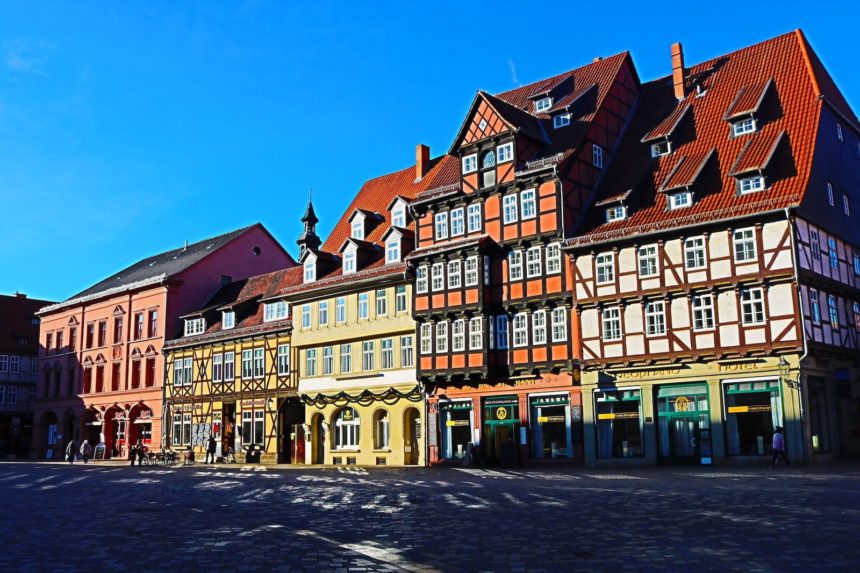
column 803, row 335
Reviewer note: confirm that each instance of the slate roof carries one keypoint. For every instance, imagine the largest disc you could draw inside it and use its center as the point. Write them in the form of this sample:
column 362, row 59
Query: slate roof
column 18, row 334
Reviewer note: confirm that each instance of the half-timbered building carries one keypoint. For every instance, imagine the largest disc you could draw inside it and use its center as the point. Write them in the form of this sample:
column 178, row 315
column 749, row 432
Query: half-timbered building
column 715, row 276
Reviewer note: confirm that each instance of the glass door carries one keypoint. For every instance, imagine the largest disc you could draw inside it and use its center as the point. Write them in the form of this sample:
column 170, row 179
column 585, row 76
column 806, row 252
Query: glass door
column 501, row 419
column 684, row 431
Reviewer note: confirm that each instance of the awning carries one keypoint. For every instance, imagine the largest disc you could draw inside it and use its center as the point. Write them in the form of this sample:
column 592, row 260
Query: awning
column 143, row 421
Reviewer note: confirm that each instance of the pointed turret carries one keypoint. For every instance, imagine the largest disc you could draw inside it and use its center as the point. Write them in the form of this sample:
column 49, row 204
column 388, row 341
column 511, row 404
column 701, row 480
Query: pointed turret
column 309, row 239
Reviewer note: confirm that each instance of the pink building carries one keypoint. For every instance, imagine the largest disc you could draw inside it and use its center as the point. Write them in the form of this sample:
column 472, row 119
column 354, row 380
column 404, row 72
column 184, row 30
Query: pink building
column 101, row 367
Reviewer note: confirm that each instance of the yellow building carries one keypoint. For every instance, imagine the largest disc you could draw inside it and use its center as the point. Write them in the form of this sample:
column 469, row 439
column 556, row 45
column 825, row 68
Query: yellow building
column 231, row 376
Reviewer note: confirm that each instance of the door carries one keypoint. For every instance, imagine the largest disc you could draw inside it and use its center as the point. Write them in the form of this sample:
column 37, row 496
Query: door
column 318, row 441
column 412, row 437
column 500, row 440
column 684, row 431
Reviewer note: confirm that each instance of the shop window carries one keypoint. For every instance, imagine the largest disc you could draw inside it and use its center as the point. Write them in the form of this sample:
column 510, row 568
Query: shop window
column 382, row 431
column 684, row 432
column 753, row 410
column 456, row 428
column 347, row 426
column 619, row 429
column 819, row 417
column 551, row 426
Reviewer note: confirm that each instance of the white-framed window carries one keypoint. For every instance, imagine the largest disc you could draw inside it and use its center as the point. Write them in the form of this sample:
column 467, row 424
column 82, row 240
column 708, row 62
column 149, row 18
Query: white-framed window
column 597, row 156
column 515, row 265
column 392, row 250
column 442, row 337
column 426, row 338
column 612, row 323
column 560, row 120
column 217, row 367
column 381, row 303
column 505, row 152
column 458, row 335
column 472, row 271
column 502, row 332
column 470, row 163
column 661, row 148
column 533, row 262
column 347, row 429
column 4, row 362
column 276, row 310
column 476, row 333
column 814, row 306
column 605, row 268
column 407, row 352
column 400, row 301
column 229, row 366
column 306, row 316
column 382, row 429
column 553, row 258
column 398, row 216
column 655, row 318
column 680, row 200
column 543, row 104
column 833, row 311
column 194, row 326
column 322, row 313
column 509, row 208
column 311, row 362
column 521, row 330
column 188, row 365
column 617, row 213
column 474, row 217
column 752, row 306
column 647, row 260
column 358, row 228
column 247, row 364
column 310, row 271
column 539, row 327
column 694, row 253
column 744, row 126
column 283, row 359
column 363, row 306
column 750, row 184
column 830, row 200
column 744, row 241
column 340, row 310
column 438, row 277
column 387, row 353
column 814, row 245
column 421, row 280
column 559, row 324
column 259, row 363
column 458, row 222
column 441, row 225
column 839, row 135
column 703, row 312
column 367, row 355
column 832, row 253
column 328, row 360
column 846, row 205
column 228, row 319
column 345, row 358
column 349, row 261
column 454, row 274
column 529, row 204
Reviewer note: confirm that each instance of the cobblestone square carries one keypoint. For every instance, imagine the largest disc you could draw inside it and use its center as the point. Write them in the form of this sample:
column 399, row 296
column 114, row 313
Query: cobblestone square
column 257, row 518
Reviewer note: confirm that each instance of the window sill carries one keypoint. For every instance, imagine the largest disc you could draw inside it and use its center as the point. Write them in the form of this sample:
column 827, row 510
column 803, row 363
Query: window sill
column 382, row 451
column 346, row 450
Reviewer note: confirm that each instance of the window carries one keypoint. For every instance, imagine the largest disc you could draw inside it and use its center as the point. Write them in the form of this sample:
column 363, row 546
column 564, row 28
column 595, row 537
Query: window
column 815, row 245
column 472, row 271
column 458, row 223
column 4, row 363
column 426, row 338
column 73, row 339
column 833, row 311
column 275, row 311
column 509, row 208
column 421, row 280
column 752, row 306
column 474, row 217
column 259, row 363
column 194, row 326
column 363, row 306
column 488, row 166
column 505, row 153
column 438, row 282
column 454, row 274
column 60, row 336
column 539, row 327
column 382, row 435
column 750, row 184
column 322, row 313
column 103, row 332
column 306, row 316
column 744, row 245
column 347, row 428
column 857, row 265
column 470, row 163
column 655, row 318
column 476, row 333
column 515, row 265
column 533, row 262
column 367, row 355
column 441, row 337
column 560, row 120
column 153, row 324
column 648, row 261
column 694, row 253
column 340, row 310
column 441, row 226
column 543, row 104
column 387, row 353
column 328, row 361
column 349, row 261
column 619, row 428
column 856, row 308
column 311, row 362
column 381, row 303
column 138, row 326
column 392, row 251
column 521, row 330
column 229, row 366
column 358, row 228
column 15, row 364
column 529, row 207
column 345, row 358
column 680, row 200
column 703, row 312
column 830, row 200
column 661, row 148
column 502, row 332
column 458, row 335
column 753, row 409
column 616, row 213
column 217, row 367
column 12, row 395
column 310, row 270
column 247, row 364
column 400, row 299
column 839, row 135
column 846, row 205
column 553, row 259
column 743, row 126
column 597, row 156
column 90, row 332
column 832, row 253
column 814, row 306
column 228, row 319
column 407, row 353
column 605, row 264
column 612, row 323
column 188, row 367
column 398, row 217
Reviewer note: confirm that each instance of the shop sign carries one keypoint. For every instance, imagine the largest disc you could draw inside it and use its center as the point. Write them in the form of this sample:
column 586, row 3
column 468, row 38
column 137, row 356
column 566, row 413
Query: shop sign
column 454, row 423
column 550, row 419
column 618, row 416
column 745, row 409
column 739, row 366
column 502, row 401
column 637, row 374
column 682, row 404
column 251, row 404
column 432, row 426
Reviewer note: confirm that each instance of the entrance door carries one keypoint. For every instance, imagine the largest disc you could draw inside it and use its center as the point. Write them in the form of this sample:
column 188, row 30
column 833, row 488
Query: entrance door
column 411, row 437
column 684, row 424
column 228, row 432
column 500, row 440
column 318, row 441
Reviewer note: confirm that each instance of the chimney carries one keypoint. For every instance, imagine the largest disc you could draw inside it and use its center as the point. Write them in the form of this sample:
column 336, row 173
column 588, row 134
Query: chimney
column 678, row 70
column 422, row 161
column 20, row 295
column 596, row 59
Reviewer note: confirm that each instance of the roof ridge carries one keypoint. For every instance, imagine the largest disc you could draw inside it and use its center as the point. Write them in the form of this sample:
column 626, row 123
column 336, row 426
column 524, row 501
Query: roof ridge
column 558, row 75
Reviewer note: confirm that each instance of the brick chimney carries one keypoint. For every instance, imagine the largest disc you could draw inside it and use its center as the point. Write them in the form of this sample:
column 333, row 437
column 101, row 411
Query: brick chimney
column 422, row 161
column 678, row 70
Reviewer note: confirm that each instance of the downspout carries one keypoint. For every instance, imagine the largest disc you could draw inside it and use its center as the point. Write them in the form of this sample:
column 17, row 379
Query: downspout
column 803, row 335
column 422, row 389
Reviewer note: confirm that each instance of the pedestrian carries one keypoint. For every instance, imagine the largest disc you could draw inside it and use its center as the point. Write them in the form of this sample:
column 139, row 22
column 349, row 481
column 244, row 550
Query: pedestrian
column 779, row 447
column 137, row 452
column 71, row 451
column 210, row 451
column 86, row 450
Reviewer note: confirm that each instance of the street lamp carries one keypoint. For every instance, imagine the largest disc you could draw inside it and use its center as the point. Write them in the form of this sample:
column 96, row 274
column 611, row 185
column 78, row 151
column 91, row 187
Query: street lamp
column 785, row 372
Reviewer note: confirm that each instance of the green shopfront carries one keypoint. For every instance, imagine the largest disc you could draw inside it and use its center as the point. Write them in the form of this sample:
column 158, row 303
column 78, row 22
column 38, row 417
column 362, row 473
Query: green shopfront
column 501, row 423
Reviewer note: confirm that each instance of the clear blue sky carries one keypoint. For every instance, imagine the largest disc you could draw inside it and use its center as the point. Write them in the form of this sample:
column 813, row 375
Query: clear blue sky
column 129, row 127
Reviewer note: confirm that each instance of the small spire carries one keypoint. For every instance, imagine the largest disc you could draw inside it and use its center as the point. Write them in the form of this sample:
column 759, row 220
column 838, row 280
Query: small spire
column 309, row 238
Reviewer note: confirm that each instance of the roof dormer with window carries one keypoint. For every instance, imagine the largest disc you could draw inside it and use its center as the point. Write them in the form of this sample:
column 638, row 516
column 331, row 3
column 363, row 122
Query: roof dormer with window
column 399, row 212
column 745, row 112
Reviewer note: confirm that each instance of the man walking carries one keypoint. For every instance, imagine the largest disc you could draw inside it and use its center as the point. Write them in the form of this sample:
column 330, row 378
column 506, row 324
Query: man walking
column 86, row 451
column 210, row 450
column 71, row 451
column 779, row 447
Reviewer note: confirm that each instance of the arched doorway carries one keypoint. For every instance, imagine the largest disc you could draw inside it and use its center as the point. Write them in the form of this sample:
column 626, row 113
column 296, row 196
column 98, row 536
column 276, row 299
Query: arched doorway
column 92, row 427
column 48, row 441
column 140, row 424
column 317, row 440
column 411, row 437
column 115, row 428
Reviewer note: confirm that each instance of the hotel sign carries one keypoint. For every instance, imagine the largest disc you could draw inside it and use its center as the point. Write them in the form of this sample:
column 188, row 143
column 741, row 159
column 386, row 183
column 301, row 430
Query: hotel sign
column 638, row 374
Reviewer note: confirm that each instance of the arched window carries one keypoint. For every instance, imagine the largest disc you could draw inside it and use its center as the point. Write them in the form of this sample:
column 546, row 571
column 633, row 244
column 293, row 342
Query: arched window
column 381, row 428
column 489, row 160
column 488, row 171
column 346, row 429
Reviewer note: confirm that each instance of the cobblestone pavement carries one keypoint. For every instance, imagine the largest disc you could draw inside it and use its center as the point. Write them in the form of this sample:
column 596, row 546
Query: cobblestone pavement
column 218, row 519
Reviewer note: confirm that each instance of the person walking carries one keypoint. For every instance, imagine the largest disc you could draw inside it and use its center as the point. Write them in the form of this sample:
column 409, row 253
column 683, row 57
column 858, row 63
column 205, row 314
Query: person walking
column 71, row 451
column 137, row 452
column 86, row 451
column 779, row 447
column 211, row 449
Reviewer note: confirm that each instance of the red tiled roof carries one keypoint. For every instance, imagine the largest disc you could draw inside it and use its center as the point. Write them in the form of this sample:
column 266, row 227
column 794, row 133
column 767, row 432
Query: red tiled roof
column 18, row 334
column 668, row 125
column 686, row 171
column 375, row 271
column 749, row 99
column 757, row 153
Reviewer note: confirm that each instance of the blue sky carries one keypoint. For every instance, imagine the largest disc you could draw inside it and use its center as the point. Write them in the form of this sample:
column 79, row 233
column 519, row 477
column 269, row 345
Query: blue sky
column 128, row 127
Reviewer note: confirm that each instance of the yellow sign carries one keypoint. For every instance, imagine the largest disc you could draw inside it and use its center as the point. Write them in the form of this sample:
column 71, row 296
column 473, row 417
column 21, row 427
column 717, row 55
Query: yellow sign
column 618, row 416
column 681, row 404
column 747, row 409
column 453, row 423
column 550, row 419
column 501, row 413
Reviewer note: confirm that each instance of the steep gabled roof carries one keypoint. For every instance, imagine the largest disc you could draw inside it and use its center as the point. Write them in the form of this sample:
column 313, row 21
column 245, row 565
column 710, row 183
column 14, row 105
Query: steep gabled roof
column 19, row 327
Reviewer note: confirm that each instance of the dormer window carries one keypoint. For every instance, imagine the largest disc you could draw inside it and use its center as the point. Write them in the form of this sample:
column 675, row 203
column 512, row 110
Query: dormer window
column 276, row 310
column 743, row 126
column 661, row 148
column 358, row 228
column 398, row 217
column 561, row 120
column 310, row 270
column 750, row 184
column 194, row 326
column 680, row 200
column 349, row 261
column 392, row 250
column 228, row 319
column 543, row 104
column 470, row 163
column 617, row 213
